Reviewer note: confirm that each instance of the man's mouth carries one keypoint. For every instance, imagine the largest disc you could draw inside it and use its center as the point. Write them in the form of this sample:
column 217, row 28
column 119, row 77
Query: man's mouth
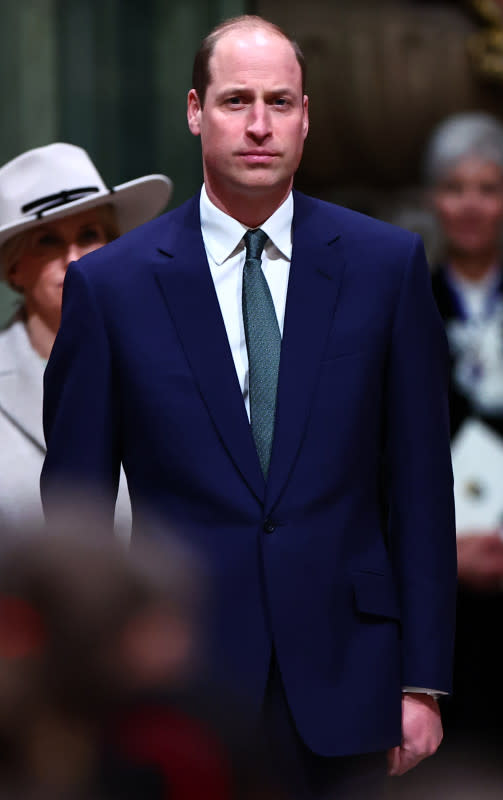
column 258, row 156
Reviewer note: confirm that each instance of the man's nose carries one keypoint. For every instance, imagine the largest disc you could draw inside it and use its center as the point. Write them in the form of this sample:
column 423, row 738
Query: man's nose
column 259, row 121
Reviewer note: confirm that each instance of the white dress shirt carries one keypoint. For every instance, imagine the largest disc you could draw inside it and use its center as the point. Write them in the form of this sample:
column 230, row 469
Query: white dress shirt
column 225, row 250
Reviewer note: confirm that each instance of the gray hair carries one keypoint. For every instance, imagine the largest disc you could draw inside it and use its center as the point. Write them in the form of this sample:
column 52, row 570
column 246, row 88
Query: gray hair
column 471, row 134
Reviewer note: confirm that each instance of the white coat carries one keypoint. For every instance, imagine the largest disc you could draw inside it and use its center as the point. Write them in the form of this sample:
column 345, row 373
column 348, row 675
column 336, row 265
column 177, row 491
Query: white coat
column 22, row 444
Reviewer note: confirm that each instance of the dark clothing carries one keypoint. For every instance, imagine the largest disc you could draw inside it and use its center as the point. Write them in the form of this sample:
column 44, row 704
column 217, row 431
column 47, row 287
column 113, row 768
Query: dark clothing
column 142, row 372
column 475, row 710
column 305, row 775
column 460, row 406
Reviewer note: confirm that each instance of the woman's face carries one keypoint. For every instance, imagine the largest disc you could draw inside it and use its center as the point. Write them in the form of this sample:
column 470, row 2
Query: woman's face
column 469, row 205
column 41, row 270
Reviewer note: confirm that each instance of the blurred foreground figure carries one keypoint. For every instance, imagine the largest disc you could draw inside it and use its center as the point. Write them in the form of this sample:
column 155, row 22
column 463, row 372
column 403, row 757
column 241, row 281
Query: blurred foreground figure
column 98, row 692
column 54, row 208
column 464, row 169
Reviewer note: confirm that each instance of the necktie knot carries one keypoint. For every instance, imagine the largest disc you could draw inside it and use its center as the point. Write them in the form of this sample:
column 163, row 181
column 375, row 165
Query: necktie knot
column 255, row 240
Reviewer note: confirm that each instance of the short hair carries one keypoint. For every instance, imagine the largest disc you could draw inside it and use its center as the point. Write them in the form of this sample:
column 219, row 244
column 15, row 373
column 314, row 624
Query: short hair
column 13, row 249
column 201, row 70
column 460, row 136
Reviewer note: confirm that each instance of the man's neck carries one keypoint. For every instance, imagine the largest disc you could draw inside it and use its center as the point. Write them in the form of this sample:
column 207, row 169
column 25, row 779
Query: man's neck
column 252, row 208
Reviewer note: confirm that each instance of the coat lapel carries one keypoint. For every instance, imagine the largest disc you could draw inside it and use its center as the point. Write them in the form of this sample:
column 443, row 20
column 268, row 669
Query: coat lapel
column 21, row 374
column 315, row 275
column 189, row 292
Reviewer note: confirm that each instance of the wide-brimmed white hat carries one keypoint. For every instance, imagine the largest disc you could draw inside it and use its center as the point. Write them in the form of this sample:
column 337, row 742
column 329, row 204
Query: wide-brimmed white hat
column 57, row 180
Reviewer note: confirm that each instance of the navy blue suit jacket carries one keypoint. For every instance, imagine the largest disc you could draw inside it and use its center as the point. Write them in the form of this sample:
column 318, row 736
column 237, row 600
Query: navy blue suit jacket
column 345, row 558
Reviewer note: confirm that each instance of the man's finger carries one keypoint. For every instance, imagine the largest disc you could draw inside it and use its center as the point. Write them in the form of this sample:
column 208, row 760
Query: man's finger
column 393, row 757
column 407, row 760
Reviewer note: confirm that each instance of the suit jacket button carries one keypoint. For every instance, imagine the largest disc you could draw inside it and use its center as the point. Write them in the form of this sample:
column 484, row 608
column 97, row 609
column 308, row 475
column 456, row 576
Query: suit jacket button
column 269, row 526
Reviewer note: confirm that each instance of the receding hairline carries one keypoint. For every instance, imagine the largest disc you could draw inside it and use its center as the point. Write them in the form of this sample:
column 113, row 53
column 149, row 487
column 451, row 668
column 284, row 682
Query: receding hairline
column 246, row 22
column 201, row 76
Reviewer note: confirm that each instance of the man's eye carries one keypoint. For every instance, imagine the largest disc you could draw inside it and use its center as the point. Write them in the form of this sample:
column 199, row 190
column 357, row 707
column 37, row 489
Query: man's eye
column 235, row 101
column 280, row 101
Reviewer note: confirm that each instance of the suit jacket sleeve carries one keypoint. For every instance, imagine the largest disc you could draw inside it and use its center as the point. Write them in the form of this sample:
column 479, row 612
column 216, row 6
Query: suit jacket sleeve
column 419, row 476
column 81, row 413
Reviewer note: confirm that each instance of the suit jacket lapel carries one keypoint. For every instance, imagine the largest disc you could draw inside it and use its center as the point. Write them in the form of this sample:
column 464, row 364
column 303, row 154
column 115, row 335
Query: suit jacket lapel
column 315, row 275
column 21, row 374
column 189, row 292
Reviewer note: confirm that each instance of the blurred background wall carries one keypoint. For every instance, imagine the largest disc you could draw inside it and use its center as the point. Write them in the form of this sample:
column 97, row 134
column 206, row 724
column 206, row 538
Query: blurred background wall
column 112, row 76
column 381, row 74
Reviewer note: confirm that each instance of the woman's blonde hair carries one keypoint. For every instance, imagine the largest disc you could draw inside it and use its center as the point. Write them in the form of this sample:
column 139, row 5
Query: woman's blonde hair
column 13, row 249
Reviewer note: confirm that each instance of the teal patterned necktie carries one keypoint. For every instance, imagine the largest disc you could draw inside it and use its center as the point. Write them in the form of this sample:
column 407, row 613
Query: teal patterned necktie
column 263, row 342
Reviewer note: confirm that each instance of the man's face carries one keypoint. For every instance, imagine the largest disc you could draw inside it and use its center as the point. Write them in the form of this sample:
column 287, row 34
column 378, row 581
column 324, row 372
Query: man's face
column 254, row 120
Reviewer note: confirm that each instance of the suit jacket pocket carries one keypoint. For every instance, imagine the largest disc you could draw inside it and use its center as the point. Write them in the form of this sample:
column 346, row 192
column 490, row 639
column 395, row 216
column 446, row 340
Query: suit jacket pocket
column 375, row 594
column 332, row 358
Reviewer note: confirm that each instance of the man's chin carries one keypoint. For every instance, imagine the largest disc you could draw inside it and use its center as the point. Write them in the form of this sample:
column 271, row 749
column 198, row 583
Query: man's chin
column 262, row 180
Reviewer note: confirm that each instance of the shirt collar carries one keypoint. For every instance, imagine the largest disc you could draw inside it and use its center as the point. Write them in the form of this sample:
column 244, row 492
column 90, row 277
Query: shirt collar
column 222, row 234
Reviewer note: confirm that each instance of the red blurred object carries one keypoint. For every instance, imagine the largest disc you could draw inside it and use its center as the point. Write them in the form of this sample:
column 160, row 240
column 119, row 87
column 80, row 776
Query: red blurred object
column 189, row 756
column 22, row 631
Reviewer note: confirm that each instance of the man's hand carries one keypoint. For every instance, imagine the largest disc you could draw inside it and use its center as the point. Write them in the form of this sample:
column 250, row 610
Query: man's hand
column 480, row 560
column 421, row 732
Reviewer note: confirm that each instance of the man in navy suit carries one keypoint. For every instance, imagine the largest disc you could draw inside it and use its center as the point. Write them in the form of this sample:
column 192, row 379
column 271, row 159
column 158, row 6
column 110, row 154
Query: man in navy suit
column 331, row 543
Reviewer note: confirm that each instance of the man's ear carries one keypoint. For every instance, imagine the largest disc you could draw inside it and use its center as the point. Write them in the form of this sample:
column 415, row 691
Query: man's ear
column 194, row 112
column 305, row 110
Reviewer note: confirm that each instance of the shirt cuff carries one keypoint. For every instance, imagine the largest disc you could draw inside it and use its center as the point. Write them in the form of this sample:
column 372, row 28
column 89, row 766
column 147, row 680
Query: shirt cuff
column 435, row 693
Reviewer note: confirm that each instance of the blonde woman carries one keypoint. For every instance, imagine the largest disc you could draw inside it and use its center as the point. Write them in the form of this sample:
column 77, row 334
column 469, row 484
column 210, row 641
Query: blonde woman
column 54, row 208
